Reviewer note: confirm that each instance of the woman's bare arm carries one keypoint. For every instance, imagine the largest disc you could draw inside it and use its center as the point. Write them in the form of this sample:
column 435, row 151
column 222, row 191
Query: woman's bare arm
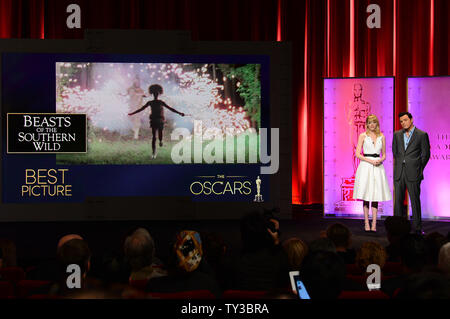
column 383, row 140
column 358, row 150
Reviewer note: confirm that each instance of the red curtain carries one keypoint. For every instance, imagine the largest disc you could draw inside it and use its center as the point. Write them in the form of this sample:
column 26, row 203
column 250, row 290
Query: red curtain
column 329, row 38
column 413, row 41
column 22, row 19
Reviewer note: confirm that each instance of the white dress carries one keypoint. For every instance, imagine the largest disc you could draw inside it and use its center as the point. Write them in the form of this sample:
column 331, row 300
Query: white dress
column 370, row 180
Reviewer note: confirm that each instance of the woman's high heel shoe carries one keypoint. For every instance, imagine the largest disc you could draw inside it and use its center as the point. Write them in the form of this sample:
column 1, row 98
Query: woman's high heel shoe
column 367, row 227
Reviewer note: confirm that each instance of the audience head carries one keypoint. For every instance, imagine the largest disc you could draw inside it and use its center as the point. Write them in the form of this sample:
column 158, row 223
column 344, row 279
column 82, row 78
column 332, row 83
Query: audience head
column 139, row 249
column 370, row 253
column 414, row 253
column 142, row 232
column 396, row 228
column 340, row 235
column 444, row 259
column 323, row 274
column 188, row 250
column 434, row 242
column 74, row 251
column 214, row 247
column 8, row 250
column 296, row 250
column 66, row 238
column 322, row 244
column 254, row 232
column 426, row 285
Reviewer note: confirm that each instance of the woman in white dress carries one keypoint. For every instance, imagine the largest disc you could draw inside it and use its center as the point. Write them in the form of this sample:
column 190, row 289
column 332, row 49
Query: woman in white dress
column 371, row 184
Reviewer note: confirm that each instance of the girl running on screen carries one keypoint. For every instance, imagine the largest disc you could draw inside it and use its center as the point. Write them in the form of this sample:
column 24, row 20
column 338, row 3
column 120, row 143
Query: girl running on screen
column 156, row 115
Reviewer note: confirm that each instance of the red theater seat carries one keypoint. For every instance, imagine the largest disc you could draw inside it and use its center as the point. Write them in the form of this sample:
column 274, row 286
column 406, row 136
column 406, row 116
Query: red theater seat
column 6, row 289
column 375, row 294
column 194, row 294
column 26, row 288
column 244, row 294
column 12, row 274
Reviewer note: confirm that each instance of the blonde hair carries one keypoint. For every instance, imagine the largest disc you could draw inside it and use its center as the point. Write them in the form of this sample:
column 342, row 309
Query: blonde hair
column 370, row 253
column 296, row 250
column 370, row 118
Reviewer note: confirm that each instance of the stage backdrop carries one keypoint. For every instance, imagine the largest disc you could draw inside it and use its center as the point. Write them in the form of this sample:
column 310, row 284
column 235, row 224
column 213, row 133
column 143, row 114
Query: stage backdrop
column 347, row 103
column 428, row 99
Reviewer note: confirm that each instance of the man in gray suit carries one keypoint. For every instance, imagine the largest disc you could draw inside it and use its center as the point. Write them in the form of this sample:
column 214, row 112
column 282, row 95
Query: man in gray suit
column 411, row 150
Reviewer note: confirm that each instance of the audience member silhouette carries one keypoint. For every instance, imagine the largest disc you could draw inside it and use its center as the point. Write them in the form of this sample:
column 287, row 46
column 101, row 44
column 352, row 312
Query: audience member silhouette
column 263, row 264
column 396, row 228
column 72, row 251
column 414, row 253
column 370, row 253
column 187, row 269
column 444, row 259
column 296, row 250
column 341, row 237
column 217, row 254
column 139, row 251
column 434, row 242
column 414, row 258
column 425, row 285
column 49, row 269
column 322, row 244
column 323, row 274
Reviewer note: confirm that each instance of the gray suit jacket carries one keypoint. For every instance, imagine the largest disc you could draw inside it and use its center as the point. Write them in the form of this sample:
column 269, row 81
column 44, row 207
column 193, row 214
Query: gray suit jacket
column 415, row 156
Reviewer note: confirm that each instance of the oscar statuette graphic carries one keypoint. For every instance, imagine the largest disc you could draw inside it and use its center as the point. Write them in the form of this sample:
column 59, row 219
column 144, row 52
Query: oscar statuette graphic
column 357, row 110
column 258, row 196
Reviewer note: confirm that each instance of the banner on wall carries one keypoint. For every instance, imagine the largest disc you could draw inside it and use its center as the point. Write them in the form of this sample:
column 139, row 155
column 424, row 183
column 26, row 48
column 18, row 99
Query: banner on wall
column 347, row 103
column 428, row 103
